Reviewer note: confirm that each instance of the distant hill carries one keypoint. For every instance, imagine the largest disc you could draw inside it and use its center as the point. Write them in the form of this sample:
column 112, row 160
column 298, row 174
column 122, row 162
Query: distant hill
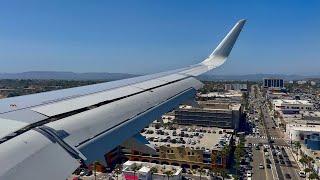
column 65, row 75
column 59, row 75
column 256, row 77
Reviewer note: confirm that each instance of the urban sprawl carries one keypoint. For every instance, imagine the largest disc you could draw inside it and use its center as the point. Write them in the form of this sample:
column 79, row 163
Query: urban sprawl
column 230, row 130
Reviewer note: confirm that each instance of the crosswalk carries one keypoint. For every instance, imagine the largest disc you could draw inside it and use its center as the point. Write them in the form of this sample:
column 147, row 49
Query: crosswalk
column 262, row 137
column 285, row 147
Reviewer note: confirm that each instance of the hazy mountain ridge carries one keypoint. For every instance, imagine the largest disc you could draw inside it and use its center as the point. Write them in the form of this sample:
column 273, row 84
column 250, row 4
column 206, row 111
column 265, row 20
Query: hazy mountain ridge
column 62, row 75
column 57, row 75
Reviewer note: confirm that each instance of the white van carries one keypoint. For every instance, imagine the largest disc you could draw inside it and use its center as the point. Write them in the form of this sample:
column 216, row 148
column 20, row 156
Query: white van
column 302, row 174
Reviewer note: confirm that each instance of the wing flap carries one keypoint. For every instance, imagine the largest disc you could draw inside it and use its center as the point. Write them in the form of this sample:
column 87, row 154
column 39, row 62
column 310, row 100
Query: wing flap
column 32, row 156
column 94, row 121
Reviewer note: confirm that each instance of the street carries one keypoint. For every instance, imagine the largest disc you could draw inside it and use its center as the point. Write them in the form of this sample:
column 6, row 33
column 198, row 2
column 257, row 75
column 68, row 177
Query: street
column 276, row 149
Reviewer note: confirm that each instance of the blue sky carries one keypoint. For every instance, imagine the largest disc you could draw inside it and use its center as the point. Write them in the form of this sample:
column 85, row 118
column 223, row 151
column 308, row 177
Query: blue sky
column 143, row 36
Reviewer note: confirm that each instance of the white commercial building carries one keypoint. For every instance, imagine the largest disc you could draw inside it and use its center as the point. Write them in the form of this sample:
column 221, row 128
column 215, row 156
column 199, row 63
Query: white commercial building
column 301, row 82
column 147, row 171
column 236, row 87
column 297, row 132
column 291, row 106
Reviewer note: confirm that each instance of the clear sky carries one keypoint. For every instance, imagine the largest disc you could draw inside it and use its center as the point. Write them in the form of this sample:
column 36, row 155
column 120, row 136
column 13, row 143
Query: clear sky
column 143, row 36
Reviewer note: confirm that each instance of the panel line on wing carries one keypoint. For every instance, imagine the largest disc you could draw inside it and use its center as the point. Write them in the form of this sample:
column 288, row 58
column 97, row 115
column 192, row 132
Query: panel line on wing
column 67, row 114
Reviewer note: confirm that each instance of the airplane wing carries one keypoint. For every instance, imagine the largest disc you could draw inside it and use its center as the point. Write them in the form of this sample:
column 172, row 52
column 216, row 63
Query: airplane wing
column 48, row 135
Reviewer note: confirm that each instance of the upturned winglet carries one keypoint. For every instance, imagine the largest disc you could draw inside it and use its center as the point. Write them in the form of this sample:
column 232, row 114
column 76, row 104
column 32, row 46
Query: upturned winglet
column 222, row 51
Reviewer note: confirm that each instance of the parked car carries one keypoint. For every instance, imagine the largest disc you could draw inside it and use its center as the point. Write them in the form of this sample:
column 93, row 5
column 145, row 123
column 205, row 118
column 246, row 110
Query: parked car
column 287, row 176
column 261, row 166
column 268, row 161
column 302, row 174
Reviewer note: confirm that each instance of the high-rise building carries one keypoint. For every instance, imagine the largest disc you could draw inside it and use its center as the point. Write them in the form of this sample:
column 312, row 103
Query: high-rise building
column 273, row 83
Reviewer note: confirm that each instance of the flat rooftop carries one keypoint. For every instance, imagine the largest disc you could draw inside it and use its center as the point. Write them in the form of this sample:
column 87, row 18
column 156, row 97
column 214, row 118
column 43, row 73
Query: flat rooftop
column 291, row 101
column 145, row 167
column 310, row 113
column 304, row 127
column 210, row 104
column 197, row 137
column 230, row 93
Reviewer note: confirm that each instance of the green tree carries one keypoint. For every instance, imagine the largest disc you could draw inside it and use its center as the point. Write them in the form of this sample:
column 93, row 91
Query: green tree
column 169, row 173
column 201, row 171
column 95, row 163
column 307, row 170
column 222, row 172
column 309, row 161
column 297, row 145
column 135, row 168
column 313, row 175
column 153, row 170
column 303, row 161
column 118, row 170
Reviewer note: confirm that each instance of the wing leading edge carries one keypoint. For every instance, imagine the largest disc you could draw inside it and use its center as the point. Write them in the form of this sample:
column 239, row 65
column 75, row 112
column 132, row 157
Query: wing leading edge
column 81, row 124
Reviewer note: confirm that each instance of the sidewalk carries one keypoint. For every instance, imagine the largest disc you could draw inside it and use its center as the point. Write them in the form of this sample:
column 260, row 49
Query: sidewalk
column 296, row 158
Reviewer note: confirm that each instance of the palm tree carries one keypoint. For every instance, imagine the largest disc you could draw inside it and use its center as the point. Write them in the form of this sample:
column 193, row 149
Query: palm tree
column 224, row 153
column 223, row 173
column 303, row 161
column 201, row 171
column 309, row 160
column 307, row 170
column 168, row 173
column 297, row 145
column 211, row 172
column 134, row 168
column 313, row 175
column 118, row 170
column 95, row 163
column 153, row 170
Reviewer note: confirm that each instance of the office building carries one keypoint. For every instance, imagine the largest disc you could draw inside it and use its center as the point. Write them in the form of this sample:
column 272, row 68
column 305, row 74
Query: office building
column 297, row 131
column 210, row 114
column 227, row 87
column 309, row 134
column 291, row 106
column 150, row 171
column 273, row 83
